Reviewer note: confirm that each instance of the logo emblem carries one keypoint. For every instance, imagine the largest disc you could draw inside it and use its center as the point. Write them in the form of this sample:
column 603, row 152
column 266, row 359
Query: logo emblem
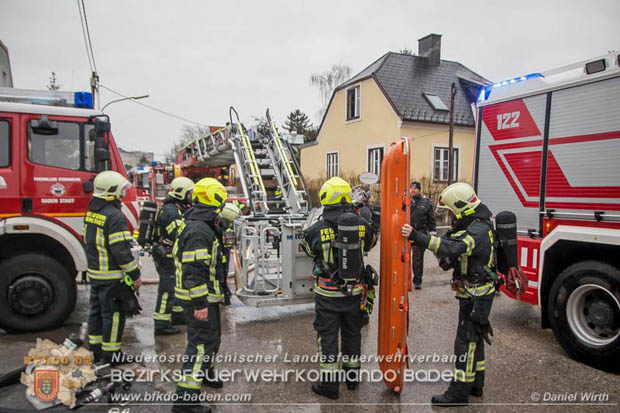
column 46, row 384
column 57, row 189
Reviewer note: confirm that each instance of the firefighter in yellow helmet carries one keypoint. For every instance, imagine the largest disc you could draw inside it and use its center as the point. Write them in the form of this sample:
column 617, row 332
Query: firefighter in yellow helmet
column 337, row 243
column 169, row 221
column 107, row 242
column 199, row 288
column 468, row 250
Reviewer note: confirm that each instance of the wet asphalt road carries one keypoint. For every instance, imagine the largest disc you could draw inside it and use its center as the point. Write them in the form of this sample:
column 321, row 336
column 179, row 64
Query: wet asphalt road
column 525, row 365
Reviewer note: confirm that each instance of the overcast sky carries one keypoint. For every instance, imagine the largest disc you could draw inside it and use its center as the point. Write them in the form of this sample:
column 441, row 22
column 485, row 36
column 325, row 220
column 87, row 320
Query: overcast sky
column 196, row 58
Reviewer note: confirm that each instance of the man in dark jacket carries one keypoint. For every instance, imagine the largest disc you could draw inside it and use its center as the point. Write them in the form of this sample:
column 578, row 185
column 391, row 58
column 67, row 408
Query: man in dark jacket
column 169, row 220
column 422, row 220
column 199, row 288
column 468, row 249
column 107, row 242
column 337, row 295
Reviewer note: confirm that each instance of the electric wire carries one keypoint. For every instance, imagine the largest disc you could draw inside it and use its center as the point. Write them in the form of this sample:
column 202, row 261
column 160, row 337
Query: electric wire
column 90, row 45
column 90, row 63
column 152, row 107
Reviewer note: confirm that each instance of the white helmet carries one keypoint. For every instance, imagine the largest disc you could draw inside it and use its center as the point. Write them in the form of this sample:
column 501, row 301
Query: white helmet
column 110, row 185
column 460, row 198
column 229, row 212
column 180, row 187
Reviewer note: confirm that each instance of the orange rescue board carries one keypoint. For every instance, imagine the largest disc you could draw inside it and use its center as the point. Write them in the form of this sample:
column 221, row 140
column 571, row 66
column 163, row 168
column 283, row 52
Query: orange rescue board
column 395, row 265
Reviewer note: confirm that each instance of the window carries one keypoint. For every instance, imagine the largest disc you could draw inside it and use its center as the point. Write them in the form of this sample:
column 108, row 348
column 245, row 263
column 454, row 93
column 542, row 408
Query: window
column 5, row 144
column 435, row 102
column 375, row 157
column 440, row 164
column 69, row 147
column 332, row 164
column 353, row 103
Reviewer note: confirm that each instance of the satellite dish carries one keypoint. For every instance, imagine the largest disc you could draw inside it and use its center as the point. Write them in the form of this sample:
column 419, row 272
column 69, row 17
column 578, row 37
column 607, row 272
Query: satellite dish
column 368, row 178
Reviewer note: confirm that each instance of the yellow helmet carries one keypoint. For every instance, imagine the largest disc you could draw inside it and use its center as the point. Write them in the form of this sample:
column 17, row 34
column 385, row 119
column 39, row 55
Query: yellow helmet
column 335, row 191
column 460, row 198
column 210, row 192
column 110, row 185
column 180, row 187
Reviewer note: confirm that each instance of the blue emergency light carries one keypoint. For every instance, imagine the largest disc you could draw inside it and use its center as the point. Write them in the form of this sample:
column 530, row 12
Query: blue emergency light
column 83, row 100
column 486, row 91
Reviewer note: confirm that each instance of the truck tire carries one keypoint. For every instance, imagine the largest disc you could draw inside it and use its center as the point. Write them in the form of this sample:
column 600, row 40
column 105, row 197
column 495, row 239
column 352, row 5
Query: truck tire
column 584, row 312
column 36, row 293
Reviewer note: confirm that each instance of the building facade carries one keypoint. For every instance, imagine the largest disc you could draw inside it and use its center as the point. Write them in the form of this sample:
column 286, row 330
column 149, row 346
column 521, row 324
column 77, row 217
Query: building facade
column 399, row 95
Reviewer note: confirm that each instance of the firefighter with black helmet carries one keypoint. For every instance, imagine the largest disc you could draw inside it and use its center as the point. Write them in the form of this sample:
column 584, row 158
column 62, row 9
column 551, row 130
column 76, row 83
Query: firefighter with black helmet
column 169, row 220
column 468, row 249
column 337, row 242
column 107, row 242
column 199, row 288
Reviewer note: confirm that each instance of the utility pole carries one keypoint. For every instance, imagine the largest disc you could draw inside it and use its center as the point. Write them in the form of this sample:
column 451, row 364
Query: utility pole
column 94, row 79
column 451, row 135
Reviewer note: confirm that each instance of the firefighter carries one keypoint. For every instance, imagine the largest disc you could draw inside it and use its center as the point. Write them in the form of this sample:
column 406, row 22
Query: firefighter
column 199, row 288
column 107, row 242
column 169, row 220
column 423, row 220
column 338, row 291
column 468, row 249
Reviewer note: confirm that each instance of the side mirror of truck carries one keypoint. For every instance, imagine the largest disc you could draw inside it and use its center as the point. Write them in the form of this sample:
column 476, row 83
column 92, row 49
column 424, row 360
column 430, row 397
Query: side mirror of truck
column 89, row 185
column 102, row 153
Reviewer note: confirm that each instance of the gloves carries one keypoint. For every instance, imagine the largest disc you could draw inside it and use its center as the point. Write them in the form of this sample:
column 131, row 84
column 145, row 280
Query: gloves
column 370, row 301
column 516, row 281
column 482, row 325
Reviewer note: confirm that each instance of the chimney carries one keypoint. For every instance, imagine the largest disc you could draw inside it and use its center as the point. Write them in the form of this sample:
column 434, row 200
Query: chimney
column 430, row 47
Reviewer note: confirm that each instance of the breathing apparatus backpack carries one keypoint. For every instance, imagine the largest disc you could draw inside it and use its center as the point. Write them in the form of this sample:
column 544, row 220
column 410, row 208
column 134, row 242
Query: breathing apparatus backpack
column 348, row 249
column 148, row 220
column 507, row 253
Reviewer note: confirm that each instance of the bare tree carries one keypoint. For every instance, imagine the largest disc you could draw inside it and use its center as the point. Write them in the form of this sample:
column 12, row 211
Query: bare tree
column 53, row 85
column 328, row 81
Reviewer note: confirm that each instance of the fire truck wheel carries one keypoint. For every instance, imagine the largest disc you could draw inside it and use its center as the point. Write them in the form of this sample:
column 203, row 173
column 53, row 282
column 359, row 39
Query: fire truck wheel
column 584, row 311
column 40, row 293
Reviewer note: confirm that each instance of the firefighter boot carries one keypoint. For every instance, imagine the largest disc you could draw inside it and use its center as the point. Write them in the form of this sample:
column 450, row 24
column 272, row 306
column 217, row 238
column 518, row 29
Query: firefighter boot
column 325, row 390
column 191, row 408
column 351, row 377
column 166, row 330
column 212, row 380
column 447, row 400
column 476, row 392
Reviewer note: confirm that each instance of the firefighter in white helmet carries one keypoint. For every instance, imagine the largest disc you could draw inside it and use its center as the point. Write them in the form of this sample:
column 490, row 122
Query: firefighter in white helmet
column 107, row 242
column 169, row 221
column 468, row 250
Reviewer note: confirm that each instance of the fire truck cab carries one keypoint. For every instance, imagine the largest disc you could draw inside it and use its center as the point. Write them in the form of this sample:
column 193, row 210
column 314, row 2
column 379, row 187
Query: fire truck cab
column 548, row 149
column 52, row 145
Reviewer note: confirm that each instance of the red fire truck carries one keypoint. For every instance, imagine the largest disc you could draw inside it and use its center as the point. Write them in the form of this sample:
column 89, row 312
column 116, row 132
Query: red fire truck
column 548, row 148
column 52, row 144
column 153, row 182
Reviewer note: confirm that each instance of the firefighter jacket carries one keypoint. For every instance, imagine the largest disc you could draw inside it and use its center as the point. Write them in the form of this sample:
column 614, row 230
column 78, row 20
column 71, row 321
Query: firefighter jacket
column 169, row 220
column 107, row 242
column 317, row 244
column 200, row 272
column 422, row 214
column 469, row 247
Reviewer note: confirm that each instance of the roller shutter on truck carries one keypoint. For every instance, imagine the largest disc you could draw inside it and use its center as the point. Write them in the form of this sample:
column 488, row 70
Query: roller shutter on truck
column 577, row 127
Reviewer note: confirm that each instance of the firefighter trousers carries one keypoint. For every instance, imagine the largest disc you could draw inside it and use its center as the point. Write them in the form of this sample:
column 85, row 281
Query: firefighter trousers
column 417, row 264
column 334, row 315
column 165, row 306
column 469, row 348
column 106, row 321
column 203, row 343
